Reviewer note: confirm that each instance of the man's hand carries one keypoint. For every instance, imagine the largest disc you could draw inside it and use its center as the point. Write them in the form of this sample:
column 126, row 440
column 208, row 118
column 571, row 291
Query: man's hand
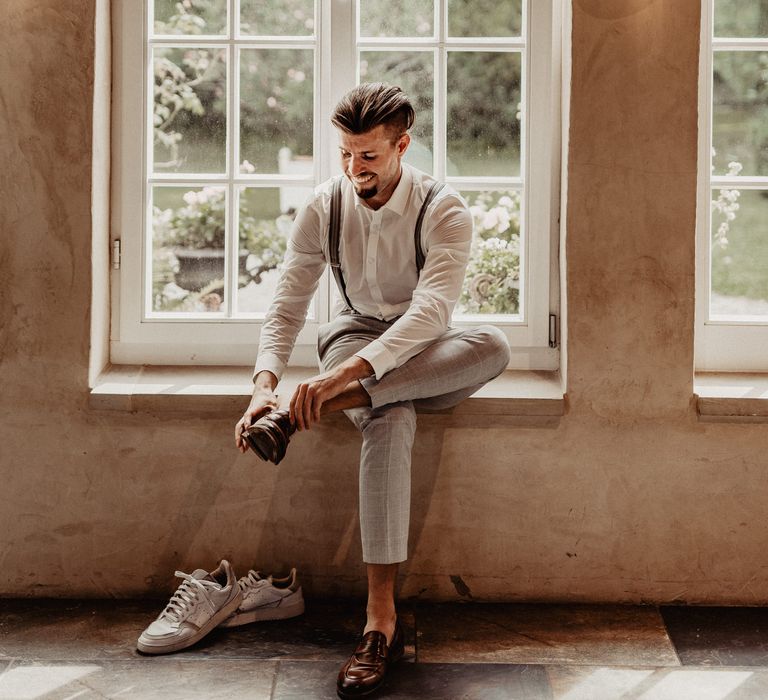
column 310, row 395
column 263, row 401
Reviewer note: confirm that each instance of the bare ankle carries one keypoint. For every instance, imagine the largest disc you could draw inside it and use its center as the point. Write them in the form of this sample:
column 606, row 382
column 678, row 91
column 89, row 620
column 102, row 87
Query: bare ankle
column 381, row 621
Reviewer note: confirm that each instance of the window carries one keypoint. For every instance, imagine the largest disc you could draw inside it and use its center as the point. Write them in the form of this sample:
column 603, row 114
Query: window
column 732, row 258
column 222, row 129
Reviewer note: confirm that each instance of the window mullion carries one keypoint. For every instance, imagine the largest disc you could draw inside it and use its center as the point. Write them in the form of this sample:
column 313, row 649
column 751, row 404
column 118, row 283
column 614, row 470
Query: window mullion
column 233, row 165
column 337, row 75
column 740, row 182
column 751, row 44
column 440, row 135
column 145, row 246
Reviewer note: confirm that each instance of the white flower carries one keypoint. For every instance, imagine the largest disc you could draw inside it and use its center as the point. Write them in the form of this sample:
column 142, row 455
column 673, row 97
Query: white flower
column 491, row 219
column 503, row 217
column 284, row 224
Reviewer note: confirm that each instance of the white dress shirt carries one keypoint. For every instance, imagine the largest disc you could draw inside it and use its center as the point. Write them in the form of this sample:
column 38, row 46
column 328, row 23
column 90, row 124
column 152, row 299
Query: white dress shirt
column 378, row 262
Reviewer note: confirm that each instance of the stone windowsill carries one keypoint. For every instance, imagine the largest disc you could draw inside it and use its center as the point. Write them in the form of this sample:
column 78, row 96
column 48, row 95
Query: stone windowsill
column 732, row 397
column 515, row 397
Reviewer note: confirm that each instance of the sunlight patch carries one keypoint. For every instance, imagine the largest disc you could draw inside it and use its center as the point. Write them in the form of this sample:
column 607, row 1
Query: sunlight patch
column 30, row 682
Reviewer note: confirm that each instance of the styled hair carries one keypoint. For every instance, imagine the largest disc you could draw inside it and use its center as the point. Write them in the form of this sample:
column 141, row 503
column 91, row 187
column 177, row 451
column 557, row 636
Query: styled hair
column 372, row 104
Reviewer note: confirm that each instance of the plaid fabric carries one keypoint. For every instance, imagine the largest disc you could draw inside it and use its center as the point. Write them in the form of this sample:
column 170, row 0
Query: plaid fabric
column 444, row 374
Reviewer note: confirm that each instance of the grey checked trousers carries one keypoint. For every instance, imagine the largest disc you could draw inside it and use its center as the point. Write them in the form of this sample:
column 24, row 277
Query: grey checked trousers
column 442, row 375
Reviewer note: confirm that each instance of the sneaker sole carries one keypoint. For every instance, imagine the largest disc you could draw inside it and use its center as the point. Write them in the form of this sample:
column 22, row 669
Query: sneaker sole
column 282, row 612
column 213, row 622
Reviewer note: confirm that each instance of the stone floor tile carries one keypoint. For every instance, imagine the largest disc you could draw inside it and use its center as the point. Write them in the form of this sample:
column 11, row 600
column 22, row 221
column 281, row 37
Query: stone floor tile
column 73, row 630
column 305, row 680
column 718, row 636
column 147, row 679
column 93, row 630
column 542, row 634
column 328, row 630
column 603, row 683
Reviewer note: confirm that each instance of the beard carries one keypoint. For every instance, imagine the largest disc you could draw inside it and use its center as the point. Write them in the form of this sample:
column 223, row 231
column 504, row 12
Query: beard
column 366, row 193
column 363, row 191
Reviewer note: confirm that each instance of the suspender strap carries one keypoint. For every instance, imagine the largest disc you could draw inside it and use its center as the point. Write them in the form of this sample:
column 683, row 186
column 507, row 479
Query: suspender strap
column 420, row 255
column 334, row 240
column 334, row 234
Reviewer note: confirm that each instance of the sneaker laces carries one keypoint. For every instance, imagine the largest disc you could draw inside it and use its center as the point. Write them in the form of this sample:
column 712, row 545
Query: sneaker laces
column 185, row 597
column 254, row 578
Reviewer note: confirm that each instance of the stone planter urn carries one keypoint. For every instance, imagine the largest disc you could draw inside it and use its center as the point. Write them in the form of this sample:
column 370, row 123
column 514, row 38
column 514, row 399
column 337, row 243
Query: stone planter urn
column 199, row 267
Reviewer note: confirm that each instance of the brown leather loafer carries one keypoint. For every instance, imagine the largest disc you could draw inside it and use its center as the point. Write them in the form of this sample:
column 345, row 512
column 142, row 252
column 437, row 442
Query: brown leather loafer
column 269, row 436
column 367, row 667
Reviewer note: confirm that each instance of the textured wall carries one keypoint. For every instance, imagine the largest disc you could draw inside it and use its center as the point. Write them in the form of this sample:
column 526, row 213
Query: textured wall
column 629, row 498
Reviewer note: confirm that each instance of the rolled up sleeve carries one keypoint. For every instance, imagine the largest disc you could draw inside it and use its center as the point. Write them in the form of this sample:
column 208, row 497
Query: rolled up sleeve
column 301, row 270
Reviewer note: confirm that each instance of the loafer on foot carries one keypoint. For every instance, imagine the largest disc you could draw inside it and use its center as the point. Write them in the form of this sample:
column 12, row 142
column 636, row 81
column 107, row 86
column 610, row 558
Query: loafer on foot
column 367, row 668
column 269, row 436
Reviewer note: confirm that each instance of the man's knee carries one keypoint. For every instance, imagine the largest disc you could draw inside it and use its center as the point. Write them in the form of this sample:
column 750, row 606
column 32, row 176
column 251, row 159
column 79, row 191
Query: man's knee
column 495, row 343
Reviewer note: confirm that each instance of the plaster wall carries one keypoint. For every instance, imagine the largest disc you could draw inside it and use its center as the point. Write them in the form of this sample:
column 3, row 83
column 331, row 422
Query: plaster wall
column 627, row 498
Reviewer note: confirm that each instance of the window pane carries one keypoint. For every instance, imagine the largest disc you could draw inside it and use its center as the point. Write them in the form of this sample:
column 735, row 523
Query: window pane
column 191, row 17
column 397, row 18
column 266, row 216
column 413, row 71
column 492, row 282
column 485, row 18
column 740, row 116
column 740, row 252
column 741, row 18
column 277, row 17
column 189, row 110
column 188, row 242
column 484, row 104
column 276, row 108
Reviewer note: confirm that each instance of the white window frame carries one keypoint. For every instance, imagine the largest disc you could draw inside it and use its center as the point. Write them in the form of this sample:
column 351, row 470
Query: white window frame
column 139, row 338
column 722, row 343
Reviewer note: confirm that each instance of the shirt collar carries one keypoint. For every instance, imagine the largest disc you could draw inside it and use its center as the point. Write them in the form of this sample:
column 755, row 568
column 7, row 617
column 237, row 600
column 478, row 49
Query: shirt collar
column 397, row 202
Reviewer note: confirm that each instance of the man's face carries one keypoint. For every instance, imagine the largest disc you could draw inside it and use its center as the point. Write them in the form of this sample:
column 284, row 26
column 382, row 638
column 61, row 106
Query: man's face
column 372, row 163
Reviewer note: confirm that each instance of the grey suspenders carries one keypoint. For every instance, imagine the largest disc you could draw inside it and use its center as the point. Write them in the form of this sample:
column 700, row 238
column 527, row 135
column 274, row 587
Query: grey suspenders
column 334, row 234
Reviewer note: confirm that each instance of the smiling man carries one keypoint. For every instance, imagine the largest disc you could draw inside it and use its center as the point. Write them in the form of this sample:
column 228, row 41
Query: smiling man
column 398, row 243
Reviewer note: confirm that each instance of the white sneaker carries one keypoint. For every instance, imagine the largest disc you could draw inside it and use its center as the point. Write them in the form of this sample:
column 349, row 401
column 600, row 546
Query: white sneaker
column 267, row 599
column 200, row 603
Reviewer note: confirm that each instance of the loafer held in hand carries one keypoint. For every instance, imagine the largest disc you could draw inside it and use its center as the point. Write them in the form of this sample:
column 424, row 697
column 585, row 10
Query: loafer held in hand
column 268, row 437
column 367, row 667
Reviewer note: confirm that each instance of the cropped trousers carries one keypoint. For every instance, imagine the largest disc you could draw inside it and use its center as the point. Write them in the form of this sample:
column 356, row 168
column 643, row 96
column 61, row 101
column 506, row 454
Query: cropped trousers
column 442, row 375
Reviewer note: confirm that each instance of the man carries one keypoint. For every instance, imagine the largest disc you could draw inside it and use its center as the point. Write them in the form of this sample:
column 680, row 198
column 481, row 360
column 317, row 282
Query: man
column 399, row 245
